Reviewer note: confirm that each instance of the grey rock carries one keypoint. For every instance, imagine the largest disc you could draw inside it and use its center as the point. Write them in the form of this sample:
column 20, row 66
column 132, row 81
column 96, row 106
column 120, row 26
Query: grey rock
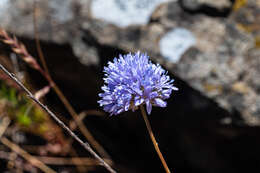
column 222, row 64
column 174, row 43
column 124, row 13
column 87, row 55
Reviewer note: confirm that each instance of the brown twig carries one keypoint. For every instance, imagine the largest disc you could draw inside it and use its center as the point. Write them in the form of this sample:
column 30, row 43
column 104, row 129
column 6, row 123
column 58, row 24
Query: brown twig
column 42, row 92
column 21, row 50
column 155, row 144
column 37, row 41
column 83, row 115
column 11, row 157
column 46, row 109
column 26, row 155
column 5, row 123
column 81, row 161
column 80, row 168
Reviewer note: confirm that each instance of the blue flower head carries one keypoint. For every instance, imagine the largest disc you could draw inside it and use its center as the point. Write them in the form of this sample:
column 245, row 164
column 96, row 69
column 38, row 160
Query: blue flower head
column 132, row 80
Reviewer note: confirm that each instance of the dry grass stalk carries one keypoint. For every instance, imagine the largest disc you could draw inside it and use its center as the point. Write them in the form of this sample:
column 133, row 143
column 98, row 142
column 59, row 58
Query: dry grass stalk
column 82, row 161
column 42, row 92
column 83, row 115
column 21, row 50
column 3, row 126
column 37, row 163
column 5, row 121
column 65, row 127
column 43, row 62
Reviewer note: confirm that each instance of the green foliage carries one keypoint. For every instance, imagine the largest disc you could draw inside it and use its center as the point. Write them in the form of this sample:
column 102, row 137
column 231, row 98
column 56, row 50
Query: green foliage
column 24, row 119
column 21, row 109
column 9, row 94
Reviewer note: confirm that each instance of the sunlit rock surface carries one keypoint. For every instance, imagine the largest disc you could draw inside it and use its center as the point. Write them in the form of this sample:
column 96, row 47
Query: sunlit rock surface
column 124, row 13
column 175, row 43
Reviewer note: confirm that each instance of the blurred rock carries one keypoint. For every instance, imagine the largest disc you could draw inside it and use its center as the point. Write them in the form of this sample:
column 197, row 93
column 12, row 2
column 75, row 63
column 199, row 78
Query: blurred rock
column 213, row 65
column 175, row 43
column 124, row 13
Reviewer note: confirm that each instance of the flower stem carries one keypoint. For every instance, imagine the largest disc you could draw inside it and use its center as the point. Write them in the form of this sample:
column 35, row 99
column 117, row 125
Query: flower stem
column 155, row 144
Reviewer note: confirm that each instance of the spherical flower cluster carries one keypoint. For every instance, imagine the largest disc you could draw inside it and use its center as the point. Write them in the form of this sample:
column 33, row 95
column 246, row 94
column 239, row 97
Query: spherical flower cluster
column 132, row 80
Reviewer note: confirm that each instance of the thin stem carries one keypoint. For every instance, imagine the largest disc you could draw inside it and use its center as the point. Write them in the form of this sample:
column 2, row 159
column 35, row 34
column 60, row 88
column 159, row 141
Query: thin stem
column 80, row 124
column 46, row 109
column 155, row 144
column 27, row 156
column 4, row 125
column 57, row 90
column 37, row 41
column 21, row 50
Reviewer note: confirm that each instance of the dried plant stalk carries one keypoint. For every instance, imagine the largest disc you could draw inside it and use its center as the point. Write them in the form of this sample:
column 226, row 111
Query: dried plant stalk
column 4, row 124
column 37, row 163
column 21, row 50
column 48, row 160
column 48, row 111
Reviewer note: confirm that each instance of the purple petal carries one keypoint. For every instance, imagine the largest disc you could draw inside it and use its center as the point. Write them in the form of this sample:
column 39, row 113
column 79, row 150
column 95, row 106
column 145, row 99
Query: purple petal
column 159, row 102
column 138, row 101
column 148, row 107
column 174, row 88
column 153, row 95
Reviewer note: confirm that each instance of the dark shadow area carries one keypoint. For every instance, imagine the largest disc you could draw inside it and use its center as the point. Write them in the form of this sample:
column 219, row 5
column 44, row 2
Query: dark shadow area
column 206, row 9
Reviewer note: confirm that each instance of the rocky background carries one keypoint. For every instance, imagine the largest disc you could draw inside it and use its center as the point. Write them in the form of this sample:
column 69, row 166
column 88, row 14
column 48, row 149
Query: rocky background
column 211, row 48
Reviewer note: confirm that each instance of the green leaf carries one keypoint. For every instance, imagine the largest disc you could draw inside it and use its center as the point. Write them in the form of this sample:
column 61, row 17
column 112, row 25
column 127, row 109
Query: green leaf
column 24, row 119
